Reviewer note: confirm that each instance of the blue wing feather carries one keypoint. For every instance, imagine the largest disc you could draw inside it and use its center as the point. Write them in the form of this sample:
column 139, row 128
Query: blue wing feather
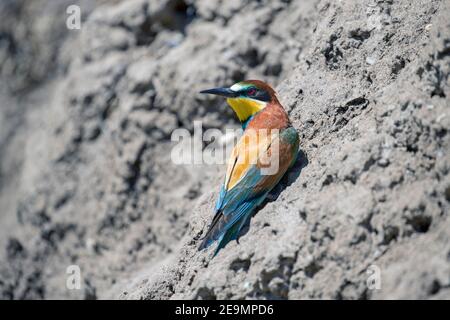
column 233, row 206
column 221, row 197
column 238, row 216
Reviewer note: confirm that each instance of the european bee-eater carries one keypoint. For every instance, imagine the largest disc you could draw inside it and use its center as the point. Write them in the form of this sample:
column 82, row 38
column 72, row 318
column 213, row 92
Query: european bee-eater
column 268, row 141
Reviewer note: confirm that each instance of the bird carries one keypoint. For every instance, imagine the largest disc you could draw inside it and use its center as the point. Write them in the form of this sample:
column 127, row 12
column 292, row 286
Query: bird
column 267, row 148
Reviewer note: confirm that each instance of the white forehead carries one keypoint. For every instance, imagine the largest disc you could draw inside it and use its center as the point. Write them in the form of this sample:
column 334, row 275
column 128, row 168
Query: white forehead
column 236, row 87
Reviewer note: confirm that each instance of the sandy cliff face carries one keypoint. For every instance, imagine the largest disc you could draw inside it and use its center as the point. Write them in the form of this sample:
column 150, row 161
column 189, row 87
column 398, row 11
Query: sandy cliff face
column 86, row 176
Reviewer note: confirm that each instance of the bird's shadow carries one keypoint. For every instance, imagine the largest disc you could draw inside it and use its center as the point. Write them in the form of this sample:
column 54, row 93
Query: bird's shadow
column 290, row 177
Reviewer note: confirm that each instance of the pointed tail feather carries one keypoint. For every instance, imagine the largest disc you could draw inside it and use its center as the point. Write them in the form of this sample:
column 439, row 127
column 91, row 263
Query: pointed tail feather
column 232, row 233
column 214, row 230
column 226, row 227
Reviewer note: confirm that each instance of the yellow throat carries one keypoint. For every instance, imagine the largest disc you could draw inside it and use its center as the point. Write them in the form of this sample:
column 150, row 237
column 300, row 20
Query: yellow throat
column 245, row 107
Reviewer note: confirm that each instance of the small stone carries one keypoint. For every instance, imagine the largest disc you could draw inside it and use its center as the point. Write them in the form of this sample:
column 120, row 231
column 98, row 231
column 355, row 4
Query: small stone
column 371, row 60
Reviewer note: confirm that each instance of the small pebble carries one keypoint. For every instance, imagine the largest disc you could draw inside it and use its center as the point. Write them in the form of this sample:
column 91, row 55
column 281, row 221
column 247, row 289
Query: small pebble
column 370, row 60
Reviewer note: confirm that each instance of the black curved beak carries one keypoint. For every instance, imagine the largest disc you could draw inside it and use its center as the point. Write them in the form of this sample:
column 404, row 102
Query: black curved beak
column 224, row 92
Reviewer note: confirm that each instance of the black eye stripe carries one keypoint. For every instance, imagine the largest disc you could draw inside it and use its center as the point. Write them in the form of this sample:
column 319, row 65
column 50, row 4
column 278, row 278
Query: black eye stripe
column 258, row 94
column 262, row 95
column 252, row 91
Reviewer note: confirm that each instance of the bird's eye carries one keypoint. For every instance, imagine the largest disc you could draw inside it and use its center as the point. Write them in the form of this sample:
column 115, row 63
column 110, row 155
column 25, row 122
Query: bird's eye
column 251, row 92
